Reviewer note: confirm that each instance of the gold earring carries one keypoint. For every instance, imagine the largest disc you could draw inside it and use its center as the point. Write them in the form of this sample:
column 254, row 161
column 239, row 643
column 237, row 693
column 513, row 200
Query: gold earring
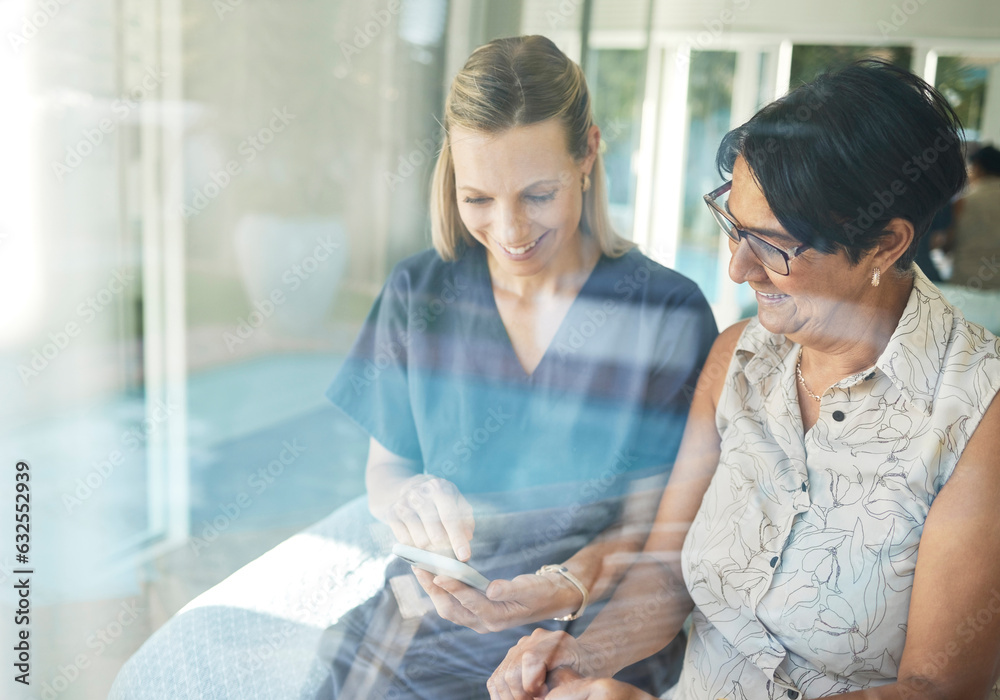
column 876, row 277
column 586, row 182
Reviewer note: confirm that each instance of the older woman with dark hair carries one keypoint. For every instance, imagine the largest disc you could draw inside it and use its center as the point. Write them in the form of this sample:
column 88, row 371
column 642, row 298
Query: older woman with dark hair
column 830, row 524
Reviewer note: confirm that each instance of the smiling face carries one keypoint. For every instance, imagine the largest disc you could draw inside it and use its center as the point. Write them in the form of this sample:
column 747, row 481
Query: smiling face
column 520, row 195
column 819, row 301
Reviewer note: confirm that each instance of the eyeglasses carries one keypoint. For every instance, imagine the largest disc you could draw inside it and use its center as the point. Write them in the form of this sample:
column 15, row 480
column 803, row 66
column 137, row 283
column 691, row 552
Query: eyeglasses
column 771, row 256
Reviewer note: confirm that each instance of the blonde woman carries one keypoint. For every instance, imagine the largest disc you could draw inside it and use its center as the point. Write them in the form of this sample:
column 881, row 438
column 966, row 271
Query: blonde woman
column 517, row 382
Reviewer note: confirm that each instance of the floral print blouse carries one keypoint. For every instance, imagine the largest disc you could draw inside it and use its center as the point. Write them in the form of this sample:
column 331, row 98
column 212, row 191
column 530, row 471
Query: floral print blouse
column 801, row 559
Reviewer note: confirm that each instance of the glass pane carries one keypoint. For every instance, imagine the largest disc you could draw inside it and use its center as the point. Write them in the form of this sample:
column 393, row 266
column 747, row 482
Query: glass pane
column 333, row 151
column 964, row 83
column 71, row 273
column 709, row 114
column 616, row 81
column 809, row 60
column 277, row 181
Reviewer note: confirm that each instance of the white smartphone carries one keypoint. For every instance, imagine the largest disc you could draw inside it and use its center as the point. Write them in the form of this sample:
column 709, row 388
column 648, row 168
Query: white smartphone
column 441, row 565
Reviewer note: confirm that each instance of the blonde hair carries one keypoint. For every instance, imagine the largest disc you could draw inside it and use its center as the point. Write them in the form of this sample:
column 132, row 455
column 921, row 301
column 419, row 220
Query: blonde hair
column 517, row 82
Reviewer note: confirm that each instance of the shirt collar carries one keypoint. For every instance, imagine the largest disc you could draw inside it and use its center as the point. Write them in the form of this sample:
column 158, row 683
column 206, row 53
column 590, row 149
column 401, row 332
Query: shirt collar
column 764, row 351
column 912, row 359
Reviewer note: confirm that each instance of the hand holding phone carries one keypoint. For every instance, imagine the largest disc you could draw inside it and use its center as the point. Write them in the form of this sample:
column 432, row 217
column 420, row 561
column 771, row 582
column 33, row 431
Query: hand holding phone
column 430, row 513
column 441, row 565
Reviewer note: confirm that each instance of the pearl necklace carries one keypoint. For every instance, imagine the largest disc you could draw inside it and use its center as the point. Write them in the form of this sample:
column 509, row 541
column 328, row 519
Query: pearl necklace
column 802, row 380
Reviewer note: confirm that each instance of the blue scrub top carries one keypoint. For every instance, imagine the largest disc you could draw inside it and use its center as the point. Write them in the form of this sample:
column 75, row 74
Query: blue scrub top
column 433, row 377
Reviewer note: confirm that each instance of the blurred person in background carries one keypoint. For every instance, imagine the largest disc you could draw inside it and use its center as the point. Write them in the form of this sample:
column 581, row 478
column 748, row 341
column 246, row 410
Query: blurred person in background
column 848, row 426
column 520, row 382
column 974, row 235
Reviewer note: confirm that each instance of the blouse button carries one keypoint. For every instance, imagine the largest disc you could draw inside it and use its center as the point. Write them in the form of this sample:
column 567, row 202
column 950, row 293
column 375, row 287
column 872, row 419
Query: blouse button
column 805, row 487
column 793, row 694
column 838, row 416
column 774, row 561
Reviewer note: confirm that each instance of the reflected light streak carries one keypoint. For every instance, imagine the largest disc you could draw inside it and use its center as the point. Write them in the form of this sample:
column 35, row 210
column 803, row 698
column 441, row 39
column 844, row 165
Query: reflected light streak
column 330, row 577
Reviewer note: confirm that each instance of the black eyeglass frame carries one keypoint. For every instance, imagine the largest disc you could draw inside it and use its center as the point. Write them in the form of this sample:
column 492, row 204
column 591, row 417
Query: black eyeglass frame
column 740, row 233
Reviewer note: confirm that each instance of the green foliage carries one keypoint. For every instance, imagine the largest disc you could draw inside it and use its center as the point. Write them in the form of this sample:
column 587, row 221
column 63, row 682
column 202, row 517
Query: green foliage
column 810, row 60
column 963, row 84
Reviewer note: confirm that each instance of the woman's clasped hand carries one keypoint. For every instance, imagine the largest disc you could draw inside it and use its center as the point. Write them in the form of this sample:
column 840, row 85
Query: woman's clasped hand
column 553, row 665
